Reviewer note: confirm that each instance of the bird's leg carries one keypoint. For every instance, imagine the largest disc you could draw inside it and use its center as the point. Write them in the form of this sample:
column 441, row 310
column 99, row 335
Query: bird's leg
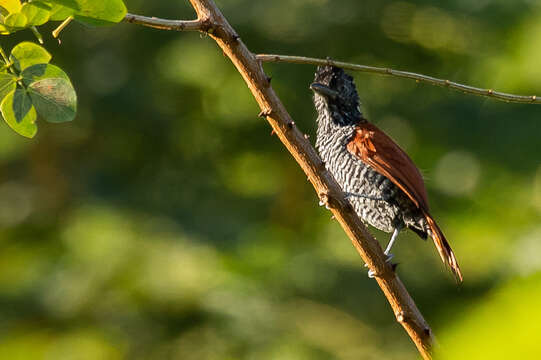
column 364, row 196
column 391, row 242
column 388, row 249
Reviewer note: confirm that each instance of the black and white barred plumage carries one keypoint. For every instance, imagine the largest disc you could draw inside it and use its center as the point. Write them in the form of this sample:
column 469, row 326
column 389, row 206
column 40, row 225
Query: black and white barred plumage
column 383, row 204
column 383, row 184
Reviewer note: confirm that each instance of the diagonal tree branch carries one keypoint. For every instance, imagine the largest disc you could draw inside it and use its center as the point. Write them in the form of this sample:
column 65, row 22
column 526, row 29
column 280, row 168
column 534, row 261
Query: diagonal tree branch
column 211, row 21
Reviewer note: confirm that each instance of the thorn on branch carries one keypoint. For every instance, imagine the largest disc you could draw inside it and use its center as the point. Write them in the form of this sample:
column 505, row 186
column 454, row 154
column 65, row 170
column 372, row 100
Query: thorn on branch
column 324, row 200
column 330, row 203
column 306, row 136
column 265, row 113
column 401, row 317
column 272, row 132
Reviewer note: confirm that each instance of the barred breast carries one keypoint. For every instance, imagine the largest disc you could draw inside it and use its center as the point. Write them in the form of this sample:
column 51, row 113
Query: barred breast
column 386, row 207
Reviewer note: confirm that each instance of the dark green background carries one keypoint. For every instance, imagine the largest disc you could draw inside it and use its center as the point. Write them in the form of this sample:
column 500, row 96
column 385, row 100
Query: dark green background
column 165, row 222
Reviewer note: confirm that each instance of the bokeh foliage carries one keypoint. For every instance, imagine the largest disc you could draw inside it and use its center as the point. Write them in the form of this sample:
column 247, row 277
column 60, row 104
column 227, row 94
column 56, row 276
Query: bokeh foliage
column 165, row 222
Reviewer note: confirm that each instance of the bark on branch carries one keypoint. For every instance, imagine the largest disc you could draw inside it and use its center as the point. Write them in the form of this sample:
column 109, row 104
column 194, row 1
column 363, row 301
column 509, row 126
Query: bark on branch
column 211, row 21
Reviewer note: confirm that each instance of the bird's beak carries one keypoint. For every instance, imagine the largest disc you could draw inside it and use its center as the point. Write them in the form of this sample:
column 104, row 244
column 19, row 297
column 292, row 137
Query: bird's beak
column 324, row 90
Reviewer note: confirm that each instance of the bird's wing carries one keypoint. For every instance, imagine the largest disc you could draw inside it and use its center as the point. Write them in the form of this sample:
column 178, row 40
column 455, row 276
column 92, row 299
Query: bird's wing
column 375, row 148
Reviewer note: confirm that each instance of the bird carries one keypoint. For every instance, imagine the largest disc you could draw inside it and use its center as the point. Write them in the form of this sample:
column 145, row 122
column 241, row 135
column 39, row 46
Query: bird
column 379, row 179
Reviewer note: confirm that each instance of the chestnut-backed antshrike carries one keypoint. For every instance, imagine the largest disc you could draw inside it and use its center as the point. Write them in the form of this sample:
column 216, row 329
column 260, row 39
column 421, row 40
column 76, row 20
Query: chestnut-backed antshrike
column 382, row 183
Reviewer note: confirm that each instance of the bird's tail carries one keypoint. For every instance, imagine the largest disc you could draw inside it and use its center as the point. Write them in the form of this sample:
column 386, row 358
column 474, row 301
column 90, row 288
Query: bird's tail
column 443, row 247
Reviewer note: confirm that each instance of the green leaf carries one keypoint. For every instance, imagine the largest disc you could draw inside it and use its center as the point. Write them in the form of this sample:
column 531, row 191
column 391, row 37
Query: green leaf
column 10, row 6
column 57, row 12
column 15, row 20
column 60, row 13
column 42, row 71
column 4, row 30
column 92, row 12
column 27, row 53
column 36, row 13
column 54, row 98
column 8, row 83
column 19, row 113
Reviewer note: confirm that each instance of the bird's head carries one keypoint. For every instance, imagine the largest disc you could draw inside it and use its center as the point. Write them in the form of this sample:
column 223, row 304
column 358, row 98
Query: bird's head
column 335, row 94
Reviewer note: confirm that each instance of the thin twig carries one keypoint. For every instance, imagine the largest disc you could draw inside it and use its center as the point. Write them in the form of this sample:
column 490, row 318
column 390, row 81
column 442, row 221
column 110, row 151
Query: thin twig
column 62, row 26
column 164, row 24
column 198, row 25
column 533, row 99
column 330, row 193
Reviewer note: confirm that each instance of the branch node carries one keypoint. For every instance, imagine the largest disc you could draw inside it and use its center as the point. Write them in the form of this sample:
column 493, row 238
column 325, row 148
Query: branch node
column 400, row 316
column 306, row 136
column 207, row 26
column 269, row 79
column 447, row 83
column 490, row 92
column 291, row 124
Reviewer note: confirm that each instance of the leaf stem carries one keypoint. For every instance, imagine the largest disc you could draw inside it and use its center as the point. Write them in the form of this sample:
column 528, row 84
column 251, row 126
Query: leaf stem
column 37, row 34
column 4, row 57
column 56, row 32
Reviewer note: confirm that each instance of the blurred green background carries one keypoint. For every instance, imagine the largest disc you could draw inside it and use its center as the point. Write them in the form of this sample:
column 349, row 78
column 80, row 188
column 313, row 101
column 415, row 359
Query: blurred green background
column 165, row 222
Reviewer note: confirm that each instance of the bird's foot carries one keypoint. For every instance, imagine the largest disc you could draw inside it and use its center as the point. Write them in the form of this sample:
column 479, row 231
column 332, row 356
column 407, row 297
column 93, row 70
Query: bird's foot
column 372, row 273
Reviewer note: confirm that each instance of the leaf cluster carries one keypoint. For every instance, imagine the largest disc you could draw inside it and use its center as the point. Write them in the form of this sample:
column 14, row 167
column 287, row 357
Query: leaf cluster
column 29, row 85
column 16, row 15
